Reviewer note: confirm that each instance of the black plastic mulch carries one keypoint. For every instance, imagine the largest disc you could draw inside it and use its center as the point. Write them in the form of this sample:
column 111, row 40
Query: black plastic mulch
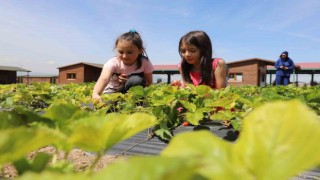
column 140, row 145
column 155, row 145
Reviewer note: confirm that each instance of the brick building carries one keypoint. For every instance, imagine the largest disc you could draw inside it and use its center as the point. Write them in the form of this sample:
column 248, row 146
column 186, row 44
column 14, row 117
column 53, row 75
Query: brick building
column 79, row 73
column 248, row 72
column 243, row 72
column 8, row 74
column 38, row 78
column 251, row 71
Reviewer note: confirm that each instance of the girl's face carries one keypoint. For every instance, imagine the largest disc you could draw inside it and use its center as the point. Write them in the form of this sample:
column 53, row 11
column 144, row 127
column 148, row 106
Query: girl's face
column 127, row 52
column 190, row 53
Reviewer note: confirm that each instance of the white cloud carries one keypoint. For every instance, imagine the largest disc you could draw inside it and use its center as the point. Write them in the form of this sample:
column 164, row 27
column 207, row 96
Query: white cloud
column 301, row 35
column 51, row 62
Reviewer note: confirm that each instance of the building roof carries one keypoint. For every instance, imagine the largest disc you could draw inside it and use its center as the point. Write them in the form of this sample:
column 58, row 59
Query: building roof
column 268, row 62
column 12, row 68
column 156, row 67
column 85, row 63
column 165, row 67
column 173, row 68
column 39, row 76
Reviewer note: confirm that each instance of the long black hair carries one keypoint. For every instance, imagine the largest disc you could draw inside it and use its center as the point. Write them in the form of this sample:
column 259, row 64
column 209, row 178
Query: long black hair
column 134, row 37
column 201, row 40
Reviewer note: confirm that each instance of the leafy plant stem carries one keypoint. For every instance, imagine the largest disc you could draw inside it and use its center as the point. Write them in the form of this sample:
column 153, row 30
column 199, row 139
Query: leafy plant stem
column 66, row 155
column 150, row 136
column 54, row 158
column 95, row 162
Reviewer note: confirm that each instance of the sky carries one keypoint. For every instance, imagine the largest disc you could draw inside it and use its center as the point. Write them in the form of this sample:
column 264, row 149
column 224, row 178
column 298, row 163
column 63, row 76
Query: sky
column 42, row 35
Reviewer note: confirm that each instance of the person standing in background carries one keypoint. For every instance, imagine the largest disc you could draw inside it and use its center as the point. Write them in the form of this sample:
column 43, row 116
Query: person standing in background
column 284, row 68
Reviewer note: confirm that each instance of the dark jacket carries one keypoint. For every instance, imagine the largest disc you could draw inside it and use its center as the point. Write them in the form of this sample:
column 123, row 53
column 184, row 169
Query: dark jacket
column 286, row 62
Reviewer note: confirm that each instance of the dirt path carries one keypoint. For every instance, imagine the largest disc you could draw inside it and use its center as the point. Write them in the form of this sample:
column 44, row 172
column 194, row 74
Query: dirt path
column 81, row 160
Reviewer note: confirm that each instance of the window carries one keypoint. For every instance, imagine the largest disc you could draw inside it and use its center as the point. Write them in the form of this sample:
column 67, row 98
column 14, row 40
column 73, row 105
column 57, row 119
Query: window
column 235, row 77
column 71, row 75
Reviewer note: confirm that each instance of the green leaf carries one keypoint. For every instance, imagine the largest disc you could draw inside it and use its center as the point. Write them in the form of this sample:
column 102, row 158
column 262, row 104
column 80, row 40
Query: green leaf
column 163, row 131
column 112, row 97
column 222, row 115
column 227, row 102
column 22, row 117
column 236, row 124
column 137, row 91
column 213, row 153
column 48, row 175
column 203, row 90
column 41, row 161
column 61, row 112
column 195, row 117
column 160, row 99
column 314, row 97
column 155, row 168
column 38, row 164
column 279, row 140
column 8, row 102
column 99, row 133
column 272, row 136
column 190, row 106
column 16, row 143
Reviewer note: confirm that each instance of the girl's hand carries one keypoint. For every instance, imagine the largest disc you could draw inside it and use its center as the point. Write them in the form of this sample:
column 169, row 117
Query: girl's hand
column 176, row 83
column 180, row 84
column 123, row 78
column 96, row 97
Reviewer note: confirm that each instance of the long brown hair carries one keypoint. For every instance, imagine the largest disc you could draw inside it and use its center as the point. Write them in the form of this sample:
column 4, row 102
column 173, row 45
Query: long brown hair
column 201, row 40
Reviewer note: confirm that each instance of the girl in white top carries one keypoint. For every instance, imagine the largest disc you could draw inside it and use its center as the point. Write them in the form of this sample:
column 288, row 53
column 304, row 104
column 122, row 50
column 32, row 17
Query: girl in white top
column 131, row 67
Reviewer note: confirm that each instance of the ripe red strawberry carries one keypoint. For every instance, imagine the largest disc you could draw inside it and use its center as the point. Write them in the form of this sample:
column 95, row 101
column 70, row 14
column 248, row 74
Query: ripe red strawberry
column 219, row 108
column 186, row 123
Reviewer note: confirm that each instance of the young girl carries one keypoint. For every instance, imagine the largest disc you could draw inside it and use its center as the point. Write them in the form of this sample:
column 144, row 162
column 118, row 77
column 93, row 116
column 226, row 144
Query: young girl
column 197, row 66
column 131, row 67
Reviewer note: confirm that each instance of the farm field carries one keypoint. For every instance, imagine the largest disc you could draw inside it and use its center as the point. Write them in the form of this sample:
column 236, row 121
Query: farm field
column 275, row 124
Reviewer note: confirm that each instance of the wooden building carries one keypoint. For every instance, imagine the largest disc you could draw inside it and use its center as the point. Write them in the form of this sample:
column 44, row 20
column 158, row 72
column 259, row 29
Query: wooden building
column 38, row 78
column 79, row 73
column 248, row 72
column 8, row 74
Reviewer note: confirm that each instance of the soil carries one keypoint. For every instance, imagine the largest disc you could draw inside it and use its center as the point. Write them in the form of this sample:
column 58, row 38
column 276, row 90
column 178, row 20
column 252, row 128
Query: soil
column 81, row 160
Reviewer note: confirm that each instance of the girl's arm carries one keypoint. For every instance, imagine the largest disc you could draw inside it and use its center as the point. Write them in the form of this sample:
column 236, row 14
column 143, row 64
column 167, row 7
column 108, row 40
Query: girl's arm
column 183, row 82
column 180, row 83
column 148, row 78
column 101, row 83
column 220, row 74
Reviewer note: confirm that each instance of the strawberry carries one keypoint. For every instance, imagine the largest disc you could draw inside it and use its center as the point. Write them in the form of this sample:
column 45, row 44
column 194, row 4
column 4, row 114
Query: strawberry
column 186, row 123
column 219, row 108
